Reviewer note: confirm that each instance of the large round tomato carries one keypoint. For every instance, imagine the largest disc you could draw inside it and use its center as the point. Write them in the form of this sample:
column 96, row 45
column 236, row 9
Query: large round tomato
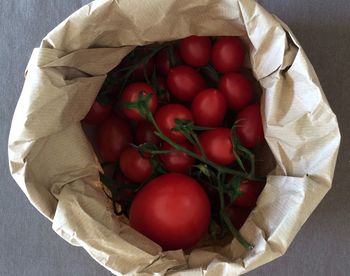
column 98, row 113
column 250, row 192
column 173, row 210
column 227, row 54
column 217, row 145
column 249, row 126
column 184, row 82
column 177, row 161
column 237, row 90
column 134, row 166
column 209, row 108
column 131, row 94
column 166, row 120
column 112, row 137
column 195, row 50
column 145, row 134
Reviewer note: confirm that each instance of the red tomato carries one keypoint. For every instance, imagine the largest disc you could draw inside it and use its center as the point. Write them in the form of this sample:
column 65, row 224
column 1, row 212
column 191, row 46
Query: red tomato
column 209, row 108
column 173, row 210
column 131, row 94
column 98, row 113
column 227, row 54
column 177, row 161
column 134, row 166
column 112, row 137
column 195, row 50
column 165, row 119
column 217, row 145
column 145, row 134
column 163, row 61
column 237, row 90
column 184, row 82
column 139, row 73
column 251, row 191
column 249, row 126
column 238, row 215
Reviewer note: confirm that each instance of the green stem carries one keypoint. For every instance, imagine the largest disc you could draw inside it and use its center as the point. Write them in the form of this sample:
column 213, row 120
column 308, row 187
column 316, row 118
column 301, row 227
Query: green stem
column 236, row 233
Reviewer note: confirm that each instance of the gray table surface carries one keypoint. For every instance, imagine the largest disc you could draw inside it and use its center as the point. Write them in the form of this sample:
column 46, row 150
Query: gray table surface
column 28, row 245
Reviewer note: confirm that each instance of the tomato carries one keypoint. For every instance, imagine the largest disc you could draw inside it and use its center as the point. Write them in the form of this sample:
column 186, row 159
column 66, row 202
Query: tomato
column 251, row 191
column 98, row 113
column 238, row 215
column 177, row 161
column 184, row 82
column 163, row 61
column 148, row 68
column 195, row 50
column 237, row 89
column 209, row 108
column 166, row 117
column 134, row 166
column 131, row 94
column 145, row 134
column 227, row 54
column 173, row 210
column 217, row 145
column 249, row 126
column 112, row 137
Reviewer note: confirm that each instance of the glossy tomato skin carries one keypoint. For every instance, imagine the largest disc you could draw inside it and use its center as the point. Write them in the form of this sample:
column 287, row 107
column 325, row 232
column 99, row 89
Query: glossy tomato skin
column 217, row 145
column 184, row 82
column 227, row 54
column 166, row 117
column 251, row 191
column 131, row 94
column 209, row 108
column 134, row 166
column 195, row 50
column 237, row 90
column 173, row 210
column 98, row 113
column 112, row 137
column 177, row 161
column 238, row 215
column 145, row 134
column 249, row 126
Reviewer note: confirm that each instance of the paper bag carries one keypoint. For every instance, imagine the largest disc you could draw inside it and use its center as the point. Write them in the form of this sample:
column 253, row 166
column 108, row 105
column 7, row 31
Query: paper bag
column 56, row 167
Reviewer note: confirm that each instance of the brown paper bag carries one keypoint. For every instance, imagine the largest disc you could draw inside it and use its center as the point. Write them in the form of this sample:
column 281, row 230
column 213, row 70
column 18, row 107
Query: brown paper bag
column 54, row 164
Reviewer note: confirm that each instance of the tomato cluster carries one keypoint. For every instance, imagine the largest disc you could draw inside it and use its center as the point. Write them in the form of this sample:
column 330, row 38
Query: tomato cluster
column 177, row 122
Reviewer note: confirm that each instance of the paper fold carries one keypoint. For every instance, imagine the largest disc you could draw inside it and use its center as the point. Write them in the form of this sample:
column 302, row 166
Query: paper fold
column 55, row 166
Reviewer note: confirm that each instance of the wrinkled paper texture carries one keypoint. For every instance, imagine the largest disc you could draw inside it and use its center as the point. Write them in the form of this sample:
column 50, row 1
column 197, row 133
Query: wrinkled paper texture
column 56, row 167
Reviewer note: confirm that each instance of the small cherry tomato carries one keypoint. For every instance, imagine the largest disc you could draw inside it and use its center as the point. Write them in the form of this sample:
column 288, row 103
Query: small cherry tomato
column 145, row 134
column 98, row 113
column 131, row 94
column 227, row 54
column 112, row 137
column 209, row 108
column 173, row 210
column 249, row 126
column 166, row 120
column 238, row 215
column 184, row 82
column 217, row 145
column 237, row 89
column 134, row 166
column 195, row 50
column 177, row 161
column 163, row 60
column 251, row 191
